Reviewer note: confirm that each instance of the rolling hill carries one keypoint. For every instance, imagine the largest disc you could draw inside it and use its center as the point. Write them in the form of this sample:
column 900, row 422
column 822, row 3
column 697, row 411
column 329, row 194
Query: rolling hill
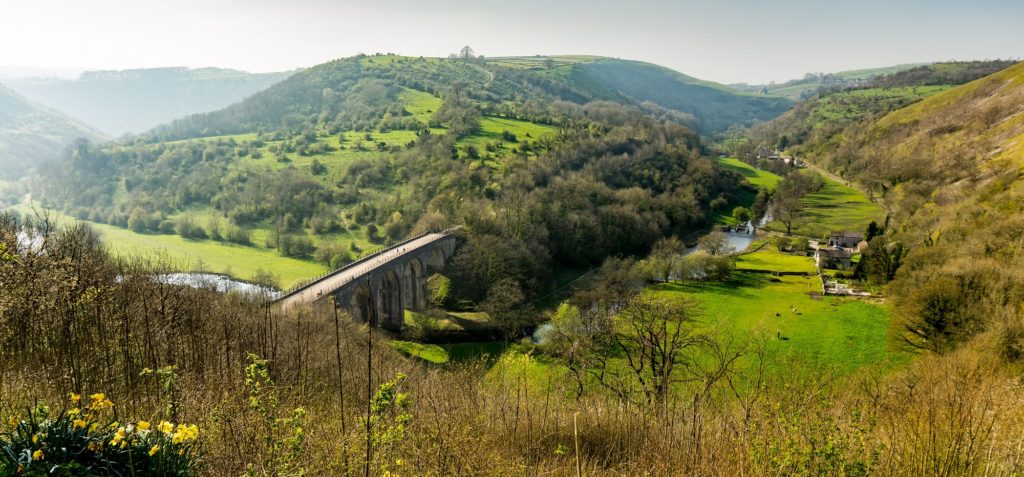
column 133, row 101
column 507, row 84
column 811, row 83
column 31, row 134
column 817, row 127
column 951, row 168
column 355, row 153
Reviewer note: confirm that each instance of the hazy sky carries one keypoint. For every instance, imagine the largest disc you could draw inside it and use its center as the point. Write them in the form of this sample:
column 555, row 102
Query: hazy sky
column 721, row 40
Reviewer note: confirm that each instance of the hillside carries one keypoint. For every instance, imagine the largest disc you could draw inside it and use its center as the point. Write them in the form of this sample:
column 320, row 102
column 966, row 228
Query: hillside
column 811, row 83
column 505, row 85
column 133, row 101
column 347, row 156
column 31, row 134
column 951, row 167
column 715, row 107
column 817, row 126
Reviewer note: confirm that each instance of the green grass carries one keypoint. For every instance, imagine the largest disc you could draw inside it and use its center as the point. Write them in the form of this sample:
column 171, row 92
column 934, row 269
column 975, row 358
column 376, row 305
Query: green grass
column 769, row 258
column 427, row 352
column 491, row 129
column 420, row 104
column 835, row 333
column 234, row 260
column 834, row 207
column 757, row 177
column 207, row 255
column 854, row 104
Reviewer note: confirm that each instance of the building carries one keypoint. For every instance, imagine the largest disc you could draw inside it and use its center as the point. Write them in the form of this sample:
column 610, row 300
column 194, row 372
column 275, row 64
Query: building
column 845, row 239
column 832, row 257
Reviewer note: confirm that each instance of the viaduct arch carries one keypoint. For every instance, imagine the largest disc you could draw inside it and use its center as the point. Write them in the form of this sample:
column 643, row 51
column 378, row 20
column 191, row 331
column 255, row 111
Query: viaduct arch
column 376, row 289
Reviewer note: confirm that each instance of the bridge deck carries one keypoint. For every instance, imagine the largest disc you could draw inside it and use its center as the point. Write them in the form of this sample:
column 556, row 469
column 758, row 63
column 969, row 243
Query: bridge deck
column 330, row 283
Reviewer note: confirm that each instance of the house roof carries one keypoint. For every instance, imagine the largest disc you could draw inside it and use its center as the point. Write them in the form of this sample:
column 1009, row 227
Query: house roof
column 845, row 234
column 834, row 252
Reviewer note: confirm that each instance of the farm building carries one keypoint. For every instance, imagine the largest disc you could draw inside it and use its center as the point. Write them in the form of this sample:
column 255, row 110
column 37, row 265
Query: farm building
column 845, row 239
column 832, row 257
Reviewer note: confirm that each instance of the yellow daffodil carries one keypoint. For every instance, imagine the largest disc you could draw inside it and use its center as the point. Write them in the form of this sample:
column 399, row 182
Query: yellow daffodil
column 98, row 397
column 178, row 437
column 38, row 455
column 166, row 427
column 75, row 397
column 35, row 438
column 142, row 426
column 78, row 424
column 153, row 450
column 74, row 412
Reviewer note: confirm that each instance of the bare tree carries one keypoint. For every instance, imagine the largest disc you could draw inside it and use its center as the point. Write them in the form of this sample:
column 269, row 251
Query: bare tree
column 657, row 337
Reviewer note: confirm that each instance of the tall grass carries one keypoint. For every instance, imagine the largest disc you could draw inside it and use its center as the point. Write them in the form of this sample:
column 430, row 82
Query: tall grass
column 72, row 319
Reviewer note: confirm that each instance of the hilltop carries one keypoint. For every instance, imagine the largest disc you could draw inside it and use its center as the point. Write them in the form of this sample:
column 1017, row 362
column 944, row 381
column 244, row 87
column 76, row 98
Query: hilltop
column 505, row 85
column 817, row 126
column 133, row 101
column 806, row 87
column 31, row 134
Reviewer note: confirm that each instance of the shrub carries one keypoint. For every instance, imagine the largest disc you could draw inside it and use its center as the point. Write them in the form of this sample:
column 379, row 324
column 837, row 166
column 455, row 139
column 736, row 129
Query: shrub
column 239, row 235
column 167, row 227
column 439, row 287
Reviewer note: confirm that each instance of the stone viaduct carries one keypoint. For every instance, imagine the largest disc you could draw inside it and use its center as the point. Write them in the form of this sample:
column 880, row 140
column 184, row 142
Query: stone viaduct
column 379, row 287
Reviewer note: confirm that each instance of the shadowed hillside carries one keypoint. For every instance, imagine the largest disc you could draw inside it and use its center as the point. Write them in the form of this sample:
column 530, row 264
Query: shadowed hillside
column 30, row 134
column 132, row 101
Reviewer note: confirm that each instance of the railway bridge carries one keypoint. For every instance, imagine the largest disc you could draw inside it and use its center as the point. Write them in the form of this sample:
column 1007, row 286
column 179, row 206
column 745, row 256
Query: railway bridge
column 378, row 288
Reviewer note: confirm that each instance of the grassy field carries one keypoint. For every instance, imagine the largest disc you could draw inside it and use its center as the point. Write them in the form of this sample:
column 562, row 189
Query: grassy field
column 431, row 353
column 824, row 334
column 834, row 207
column 830, row 333
column 756, row 177
column 233, row 260
column 852, row 105
column 768, row 258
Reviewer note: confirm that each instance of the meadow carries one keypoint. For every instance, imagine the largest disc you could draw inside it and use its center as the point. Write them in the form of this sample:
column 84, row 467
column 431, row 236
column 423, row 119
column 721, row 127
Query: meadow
column 758, row 178
column 835, row 207
column 236, row 261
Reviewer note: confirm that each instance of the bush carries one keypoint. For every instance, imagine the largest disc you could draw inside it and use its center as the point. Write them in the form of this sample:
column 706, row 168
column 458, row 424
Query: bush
column 167, row 227
column 187, row 228
column 297, row 246
column 438, row 289
column 239, row 235
column 84, row 441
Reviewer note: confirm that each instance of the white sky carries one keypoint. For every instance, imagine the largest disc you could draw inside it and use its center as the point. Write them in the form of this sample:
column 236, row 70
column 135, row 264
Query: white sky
column 720, row 40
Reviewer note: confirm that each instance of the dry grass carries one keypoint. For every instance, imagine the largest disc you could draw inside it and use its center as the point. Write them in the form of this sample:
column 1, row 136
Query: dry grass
column 960, row 414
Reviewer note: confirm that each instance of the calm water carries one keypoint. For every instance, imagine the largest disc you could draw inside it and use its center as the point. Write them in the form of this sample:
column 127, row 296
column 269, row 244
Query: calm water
column 220, row 283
